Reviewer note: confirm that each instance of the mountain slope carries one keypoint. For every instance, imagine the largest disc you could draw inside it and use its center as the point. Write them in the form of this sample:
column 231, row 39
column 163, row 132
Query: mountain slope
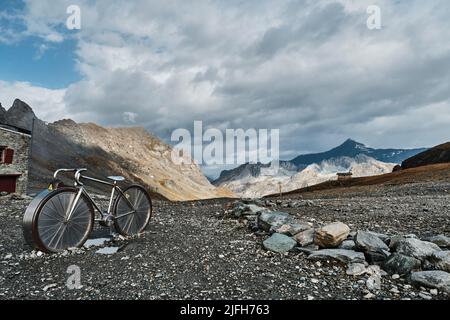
column 351, row 148
column 360, row 165
column 241, row 178
column 438, row 154
column 253, row 170
column 435, row 173
column 131, row 152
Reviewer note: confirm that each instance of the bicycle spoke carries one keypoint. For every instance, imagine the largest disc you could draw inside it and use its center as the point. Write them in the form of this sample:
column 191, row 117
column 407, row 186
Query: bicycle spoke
column 53, row 232
column 52, row 206
column 49, row 230
column 133, row 222
column 128, row 225
column 56, row 233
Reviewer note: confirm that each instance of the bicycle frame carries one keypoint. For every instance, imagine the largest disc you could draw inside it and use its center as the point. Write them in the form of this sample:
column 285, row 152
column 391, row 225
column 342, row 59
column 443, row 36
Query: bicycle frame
column 81, row 190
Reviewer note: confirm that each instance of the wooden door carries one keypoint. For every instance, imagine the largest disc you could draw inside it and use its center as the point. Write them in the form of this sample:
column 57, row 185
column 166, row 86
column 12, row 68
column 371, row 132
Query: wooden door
column 8, row 183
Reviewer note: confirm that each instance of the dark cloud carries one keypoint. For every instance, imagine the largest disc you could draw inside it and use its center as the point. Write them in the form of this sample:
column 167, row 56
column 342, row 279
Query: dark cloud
column 310, row 68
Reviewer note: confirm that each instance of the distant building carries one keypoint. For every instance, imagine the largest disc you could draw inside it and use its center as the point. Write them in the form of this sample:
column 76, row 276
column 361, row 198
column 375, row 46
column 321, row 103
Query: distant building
column 344, row 176
column 15, row 150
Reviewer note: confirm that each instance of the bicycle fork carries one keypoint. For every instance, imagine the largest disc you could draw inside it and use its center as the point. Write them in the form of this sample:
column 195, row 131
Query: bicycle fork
column 109, row 217
column 73, row 206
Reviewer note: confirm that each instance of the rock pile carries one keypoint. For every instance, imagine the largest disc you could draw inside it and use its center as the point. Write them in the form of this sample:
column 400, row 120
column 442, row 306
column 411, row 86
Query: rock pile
column 424, row 263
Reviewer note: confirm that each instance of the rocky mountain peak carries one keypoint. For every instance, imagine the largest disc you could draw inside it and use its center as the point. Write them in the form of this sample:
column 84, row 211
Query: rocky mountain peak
column 2, row 114
column 20, row 115
column 65, row 122
column 351, row 142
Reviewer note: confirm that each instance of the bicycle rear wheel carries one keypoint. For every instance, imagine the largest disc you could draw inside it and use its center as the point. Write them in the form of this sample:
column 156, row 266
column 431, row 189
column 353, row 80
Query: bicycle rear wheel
column 132, row 214
column 52, row 230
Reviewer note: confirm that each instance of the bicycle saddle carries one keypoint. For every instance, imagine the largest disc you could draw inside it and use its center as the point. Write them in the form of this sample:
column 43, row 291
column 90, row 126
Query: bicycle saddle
column 116, row 178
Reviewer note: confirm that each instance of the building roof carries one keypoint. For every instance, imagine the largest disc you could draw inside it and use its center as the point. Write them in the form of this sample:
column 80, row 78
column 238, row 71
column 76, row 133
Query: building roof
column 14, row 129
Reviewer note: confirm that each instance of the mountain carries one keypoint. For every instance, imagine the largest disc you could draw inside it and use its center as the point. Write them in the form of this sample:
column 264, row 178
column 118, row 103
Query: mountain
column 131, row 152
column 351, row 148
column 20, row 115
column 438, row 154
column 255, row 180
column 261, row 185
column 253, row 170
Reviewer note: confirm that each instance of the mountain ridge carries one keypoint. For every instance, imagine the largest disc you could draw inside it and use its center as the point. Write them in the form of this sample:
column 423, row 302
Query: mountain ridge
column 132, row 152
column 255, row 187
column 435, row 155
column 349, row 148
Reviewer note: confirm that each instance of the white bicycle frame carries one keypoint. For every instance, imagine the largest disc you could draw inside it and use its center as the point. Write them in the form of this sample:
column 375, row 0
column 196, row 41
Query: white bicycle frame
column 106, row 216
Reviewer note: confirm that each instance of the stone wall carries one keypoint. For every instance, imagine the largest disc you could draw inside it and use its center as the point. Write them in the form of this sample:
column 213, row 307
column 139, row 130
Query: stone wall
column 21, row 144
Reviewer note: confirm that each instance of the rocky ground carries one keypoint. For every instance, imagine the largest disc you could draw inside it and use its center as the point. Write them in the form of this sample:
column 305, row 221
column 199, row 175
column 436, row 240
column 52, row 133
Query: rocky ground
column 201, row 250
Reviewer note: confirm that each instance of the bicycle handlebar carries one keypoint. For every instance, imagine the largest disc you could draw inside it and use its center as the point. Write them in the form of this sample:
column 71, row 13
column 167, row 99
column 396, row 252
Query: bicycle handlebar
column 77, row 171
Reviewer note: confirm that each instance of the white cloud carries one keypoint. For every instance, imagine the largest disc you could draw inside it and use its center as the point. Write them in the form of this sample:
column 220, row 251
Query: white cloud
column 47, row 104
column 310, row 68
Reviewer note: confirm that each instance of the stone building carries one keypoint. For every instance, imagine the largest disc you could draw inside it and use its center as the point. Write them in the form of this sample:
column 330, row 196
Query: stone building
column 344, row 176
column 15, row 144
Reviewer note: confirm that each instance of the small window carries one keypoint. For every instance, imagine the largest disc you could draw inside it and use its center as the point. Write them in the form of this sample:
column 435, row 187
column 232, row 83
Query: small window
column 8, row 156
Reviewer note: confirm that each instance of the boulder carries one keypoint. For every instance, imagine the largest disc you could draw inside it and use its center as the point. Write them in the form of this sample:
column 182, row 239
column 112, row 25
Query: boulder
column 347, row 245
column 369, row 242
column 341, row 255
column 279, row 243
column 273, row 220
column 383, row 237
column 394, row 242
column 376, row 258
column 440, row 260
column 331, row 235
column 375, row 250
column 292, row 229
column 308, row 249
column 432, row 279
column 440, row 240
column 416, row 248
column 240, row 210
column 401, row 264
column 305, row 238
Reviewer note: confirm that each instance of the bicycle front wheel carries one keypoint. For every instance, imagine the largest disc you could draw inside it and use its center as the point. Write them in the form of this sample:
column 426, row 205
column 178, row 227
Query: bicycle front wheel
column 54, row 229
column 132, row 211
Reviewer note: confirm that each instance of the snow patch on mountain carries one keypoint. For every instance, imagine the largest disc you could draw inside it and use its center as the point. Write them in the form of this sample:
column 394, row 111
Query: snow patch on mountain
column 270, row 182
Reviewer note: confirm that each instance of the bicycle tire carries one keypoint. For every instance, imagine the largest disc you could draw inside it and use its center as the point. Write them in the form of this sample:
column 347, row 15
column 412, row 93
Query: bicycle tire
column 44, row 221
column 136, row 223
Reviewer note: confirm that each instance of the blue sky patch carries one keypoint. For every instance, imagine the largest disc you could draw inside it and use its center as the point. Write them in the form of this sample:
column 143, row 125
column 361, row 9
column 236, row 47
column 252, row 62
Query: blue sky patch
column 31, row 59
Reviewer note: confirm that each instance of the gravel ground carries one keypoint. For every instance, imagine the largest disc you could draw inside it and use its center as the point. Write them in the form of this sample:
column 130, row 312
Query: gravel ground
column 193, row 250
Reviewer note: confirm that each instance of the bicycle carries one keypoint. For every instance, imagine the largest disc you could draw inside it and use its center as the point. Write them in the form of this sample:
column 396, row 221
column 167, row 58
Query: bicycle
column 62, row 217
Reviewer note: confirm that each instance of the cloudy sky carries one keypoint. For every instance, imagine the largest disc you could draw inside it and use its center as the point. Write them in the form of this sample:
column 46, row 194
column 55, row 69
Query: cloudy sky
column 309, row 68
